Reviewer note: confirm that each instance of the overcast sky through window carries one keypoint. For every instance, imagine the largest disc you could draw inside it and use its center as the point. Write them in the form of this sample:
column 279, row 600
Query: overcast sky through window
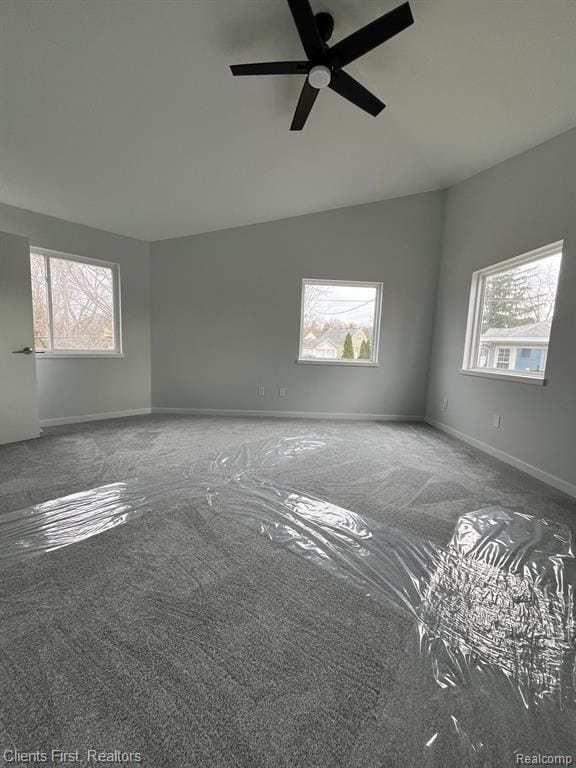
column 349, row 304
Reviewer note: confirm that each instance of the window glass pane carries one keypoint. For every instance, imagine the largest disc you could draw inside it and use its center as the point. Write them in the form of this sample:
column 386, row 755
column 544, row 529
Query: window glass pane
column 517, row 310
column 39, row 300
column 82, row 305
column 338, row 322
column 503, row 360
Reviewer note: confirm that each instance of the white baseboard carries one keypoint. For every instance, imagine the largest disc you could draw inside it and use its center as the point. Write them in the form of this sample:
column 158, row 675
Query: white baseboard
column 539, row 474
column 94, row 417
column 286, row 414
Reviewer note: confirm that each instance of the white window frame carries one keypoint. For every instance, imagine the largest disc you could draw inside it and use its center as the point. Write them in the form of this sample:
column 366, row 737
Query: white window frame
column 475, row 306
column 116, row 308
column 373, row 362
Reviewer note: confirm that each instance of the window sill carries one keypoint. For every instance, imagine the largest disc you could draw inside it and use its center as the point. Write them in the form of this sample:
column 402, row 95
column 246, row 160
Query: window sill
column 517, row 377
column 343, row 363
column 76, row 355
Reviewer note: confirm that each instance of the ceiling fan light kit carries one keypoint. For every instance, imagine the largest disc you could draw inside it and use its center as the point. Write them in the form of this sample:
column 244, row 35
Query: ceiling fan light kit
column 324, row 65
column 319, row 77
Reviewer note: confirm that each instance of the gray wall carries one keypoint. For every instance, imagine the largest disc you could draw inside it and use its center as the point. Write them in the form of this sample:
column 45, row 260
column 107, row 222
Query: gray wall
column 226, row 310
column 79, row 387
column 515, row 207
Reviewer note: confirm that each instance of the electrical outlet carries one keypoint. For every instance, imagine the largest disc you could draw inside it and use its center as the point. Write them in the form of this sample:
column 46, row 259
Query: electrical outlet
column 282, row 392
column 260, row 391
column 445, row 403
column 496, row 421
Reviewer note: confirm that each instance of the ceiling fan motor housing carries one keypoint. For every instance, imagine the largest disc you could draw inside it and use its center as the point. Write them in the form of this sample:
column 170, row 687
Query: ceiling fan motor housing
column 325, row 24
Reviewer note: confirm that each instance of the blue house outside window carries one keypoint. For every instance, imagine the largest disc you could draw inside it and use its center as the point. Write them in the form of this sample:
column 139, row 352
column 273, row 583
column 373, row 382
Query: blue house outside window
column 530, row 359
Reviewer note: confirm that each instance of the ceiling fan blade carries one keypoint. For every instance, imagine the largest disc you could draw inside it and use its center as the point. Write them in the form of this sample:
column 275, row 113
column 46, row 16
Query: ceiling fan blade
column 352, row 90
column 305, row 103
column 271, row 68
column 307, row 29
column 371, row 36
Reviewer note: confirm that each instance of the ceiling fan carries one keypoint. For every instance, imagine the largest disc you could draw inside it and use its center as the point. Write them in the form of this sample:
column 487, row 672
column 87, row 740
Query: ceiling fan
column 324, row 65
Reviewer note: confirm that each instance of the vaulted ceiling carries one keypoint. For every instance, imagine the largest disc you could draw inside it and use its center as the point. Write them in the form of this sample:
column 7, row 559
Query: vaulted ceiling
column 124, row 115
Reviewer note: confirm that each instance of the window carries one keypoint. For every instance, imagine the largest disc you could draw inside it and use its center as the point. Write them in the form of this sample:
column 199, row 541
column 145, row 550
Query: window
column 510, row 315
column 75, row 304
column 340, row 322
column 503, row 359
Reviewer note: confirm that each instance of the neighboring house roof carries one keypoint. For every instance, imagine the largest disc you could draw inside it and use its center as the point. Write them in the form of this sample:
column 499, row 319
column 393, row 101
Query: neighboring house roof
column 324, row 343
column 530, row 331
column 338, row 335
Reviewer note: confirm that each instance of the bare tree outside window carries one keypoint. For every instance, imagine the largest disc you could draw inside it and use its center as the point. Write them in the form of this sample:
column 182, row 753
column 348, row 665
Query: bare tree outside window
column 73, row 304
column 39, row 301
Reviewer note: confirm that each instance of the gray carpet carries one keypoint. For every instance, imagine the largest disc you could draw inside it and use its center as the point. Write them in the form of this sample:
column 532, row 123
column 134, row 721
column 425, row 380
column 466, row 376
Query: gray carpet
column 192, row 640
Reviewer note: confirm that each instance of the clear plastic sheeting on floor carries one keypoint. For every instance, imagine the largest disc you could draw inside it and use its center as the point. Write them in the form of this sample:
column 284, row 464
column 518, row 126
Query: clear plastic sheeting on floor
column 491, row 677
column 60, row 522
column 498, row 596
